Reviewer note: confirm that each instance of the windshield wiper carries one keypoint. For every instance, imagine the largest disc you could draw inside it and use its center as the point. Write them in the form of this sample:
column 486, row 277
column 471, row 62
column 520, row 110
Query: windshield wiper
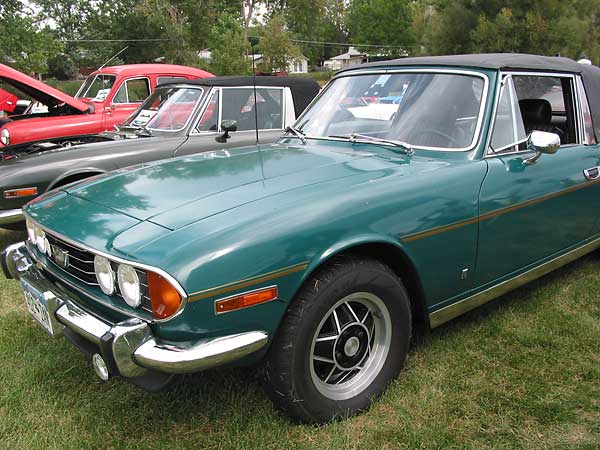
column 143, row 131
column 407, row 149
column 296, row 133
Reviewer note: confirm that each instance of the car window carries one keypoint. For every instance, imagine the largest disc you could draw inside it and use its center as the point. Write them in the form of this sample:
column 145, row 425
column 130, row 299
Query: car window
column 133, row 91
column 508, row 128
column 239, row 105
column 165, row 80
column 547, row 105
column 210, row 119
column 428, row 110
column 96, row 87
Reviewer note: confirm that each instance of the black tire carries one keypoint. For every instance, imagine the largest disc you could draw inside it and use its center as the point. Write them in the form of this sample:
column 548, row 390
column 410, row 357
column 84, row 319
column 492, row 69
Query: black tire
column 296, row 384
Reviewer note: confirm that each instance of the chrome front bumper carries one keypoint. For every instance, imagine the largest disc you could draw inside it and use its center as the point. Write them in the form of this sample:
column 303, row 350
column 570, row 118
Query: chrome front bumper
column 11, row 216
column 130, row 344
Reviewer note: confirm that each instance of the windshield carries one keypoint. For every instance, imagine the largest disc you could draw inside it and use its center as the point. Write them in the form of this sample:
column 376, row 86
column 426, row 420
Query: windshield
column 423, row 110
column 96, row 87
column 166, row 109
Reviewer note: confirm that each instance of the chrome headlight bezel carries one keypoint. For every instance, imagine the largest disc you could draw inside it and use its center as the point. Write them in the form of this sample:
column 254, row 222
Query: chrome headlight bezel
column 5, row 136
column 40, row 239
column 30, row 231
column 105, row 275
column 129, row 285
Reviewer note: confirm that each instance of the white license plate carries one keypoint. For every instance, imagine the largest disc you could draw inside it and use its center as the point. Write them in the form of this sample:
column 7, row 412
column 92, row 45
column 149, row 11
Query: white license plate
column 36, row 302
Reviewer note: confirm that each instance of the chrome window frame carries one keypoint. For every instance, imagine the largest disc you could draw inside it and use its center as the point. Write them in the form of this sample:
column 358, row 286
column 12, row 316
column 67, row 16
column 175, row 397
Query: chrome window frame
column 119, row 260
column 124, row 83
column 191, row 116
column 489, row 153
column 353, row 73
column 220, row 89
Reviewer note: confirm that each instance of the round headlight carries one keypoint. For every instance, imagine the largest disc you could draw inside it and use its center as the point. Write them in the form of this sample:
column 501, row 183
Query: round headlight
column 30, row 231
column 5, row 137
column 129, row 285
column 104, row 275
column 40, row 238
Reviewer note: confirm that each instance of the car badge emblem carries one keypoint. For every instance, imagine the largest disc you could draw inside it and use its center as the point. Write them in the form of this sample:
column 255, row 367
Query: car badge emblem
column 61, row 257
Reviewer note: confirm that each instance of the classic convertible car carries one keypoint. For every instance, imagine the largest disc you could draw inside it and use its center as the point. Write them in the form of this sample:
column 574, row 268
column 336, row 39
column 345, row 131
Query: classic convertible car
column 177, row 119
column 104, row 100
column 322, row 253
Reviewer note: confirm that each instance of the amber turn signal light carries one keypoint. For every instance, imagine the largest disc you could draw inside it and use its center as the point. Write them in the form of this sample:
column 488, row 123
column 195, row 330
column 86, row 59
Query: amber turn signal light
column 24, row 192
column 165, row 299
column 245, row 300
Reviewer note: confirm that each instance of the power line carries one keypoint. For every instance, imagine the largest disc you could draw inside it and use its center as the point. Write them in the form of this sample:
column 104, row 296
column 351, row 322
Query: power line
column 116, row 40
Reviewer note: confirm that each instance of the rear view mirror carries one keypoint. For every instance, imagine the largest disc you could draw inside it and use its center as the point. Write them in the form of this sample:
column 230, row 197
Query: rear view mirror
column 542, row 142
column 227, row 126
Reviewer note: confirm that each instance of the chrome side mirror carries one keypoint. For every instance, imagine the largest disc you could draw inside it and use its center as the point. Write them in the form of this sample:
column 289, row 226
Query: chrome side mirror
column 541, row 142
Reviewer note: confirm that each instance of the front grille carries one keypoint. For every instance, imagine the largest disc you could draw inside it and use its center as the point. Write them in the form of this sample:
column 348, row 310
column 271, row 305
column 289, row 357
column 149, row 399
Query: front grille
column 80, row 265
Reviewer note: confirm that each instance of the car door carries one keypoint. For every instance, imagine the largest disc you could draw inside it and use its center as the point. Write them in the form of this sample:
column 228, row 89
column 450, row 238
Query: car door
column 237, row 104
column 130, row 94
column 529, row 212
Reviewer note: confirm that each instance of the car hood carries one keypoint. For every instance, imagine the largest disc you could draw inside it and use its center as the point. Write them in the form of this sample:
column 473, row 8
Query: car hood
column 39, row 91
column 178, row 192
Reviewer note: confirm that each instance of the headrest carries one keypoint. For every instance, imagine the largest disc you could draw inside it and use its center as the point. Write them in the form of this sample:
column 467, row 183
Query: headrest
column 537, row 111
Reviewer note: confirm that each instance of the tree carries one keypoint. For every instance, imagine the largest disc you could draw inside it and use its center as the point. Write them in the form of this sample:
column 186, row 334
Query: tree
column 276, row 46
column 25, row 46
column 227, row 47
column 385, row 22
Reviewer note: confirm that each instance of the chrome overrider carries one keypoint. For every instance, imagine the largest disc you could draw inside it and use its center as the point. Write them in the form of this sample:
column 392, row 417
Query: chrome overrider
column 131, row 343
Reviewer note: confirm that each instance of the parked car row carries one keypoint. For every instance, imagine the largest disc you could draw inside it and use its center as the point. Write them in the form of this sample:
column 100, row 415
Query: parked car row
column 408, row 193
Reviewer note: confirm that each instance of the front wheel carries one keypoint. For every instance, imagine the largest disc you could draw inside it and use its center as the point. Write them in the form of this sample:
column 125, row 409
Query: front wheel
column 343, row 339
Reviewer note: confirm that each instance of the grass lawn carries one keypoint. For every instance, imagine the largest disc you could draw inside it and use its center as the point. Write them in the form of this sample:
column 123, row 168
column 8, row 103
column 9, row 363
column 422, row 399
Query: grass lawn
column 522, row 372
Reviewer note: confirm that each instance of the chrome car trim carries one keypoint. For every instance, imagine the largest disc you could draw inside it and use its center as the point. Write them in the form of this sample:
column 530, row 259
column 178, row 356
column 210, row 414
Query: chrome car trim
column 172, row 280
column 355, row 72
column 450, row 312
column 14, row 262
column 204, row 354
column 81, row 322
column 131, row 342
column 228, row 287
column 10, row 216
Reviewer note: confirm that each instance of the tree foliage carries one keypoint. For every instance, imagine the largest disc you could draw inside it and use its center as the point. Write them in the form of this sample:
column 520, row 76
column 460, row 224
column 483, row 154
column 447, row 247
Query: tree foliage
column 227, row 47
column 276, row 46
column 25, row 46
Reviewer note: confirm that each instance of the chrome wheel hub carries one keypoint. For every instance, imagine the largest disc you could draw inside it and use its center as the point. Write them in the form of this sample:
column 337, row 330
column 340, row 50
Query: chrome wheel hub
column 350, row 346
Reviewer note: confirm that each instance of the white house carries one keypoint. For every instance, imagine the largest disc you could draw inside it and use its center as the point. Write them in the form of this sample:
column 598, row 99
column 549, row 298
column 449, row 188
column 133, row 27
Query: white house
column 299, row 65
column 351, row 58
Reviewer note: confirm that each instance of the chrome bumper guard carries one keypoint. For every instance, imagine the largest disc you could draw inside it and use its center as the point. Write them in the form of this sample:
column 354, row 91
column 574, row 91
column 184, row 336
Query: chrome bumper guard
column 131, row 343
column 11, row 216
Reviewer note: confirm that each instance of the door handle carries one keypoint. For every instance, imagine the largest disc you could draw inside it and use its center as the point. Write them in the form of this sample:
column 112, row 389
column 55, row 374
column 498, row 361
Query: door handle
column 592, row 173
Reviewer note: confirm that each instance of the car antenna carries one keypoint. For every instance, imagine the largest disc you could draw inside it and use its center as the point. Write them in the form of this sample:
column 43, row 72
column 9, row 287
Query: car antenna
column 113, row 57
column 253, row 41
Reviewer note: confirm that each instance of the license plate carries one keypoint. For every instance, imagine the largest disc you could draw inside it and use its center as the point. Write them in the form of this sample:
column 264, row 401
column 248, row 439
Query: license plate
column 37, row 304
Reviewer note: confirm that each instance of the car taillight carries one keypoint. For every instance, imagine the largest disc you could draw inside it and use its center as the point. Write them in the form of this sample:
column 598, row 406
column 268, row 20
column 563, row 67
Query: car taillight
column 165, row 299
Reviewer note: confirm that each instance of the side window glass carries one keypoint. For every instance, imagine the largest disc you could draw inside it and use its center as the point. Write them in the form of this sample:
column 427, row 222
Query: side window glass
column 121, row 96
column 138, row 90
column 133, row 91
column 508, row 130
column 239, row 105
column 547, row 105
column 210, row 119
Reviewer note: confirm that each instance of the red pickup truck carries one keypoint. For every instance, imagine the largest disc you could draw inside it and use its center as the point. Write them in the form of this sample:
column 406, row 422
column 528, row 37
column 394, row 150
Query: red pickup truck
column 106, row 98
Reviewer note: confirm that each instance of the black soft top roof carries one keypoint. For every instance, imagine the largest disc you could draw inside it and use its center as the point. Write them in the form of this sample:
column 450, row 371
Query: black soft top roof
column 510, row 61
column 303, row 89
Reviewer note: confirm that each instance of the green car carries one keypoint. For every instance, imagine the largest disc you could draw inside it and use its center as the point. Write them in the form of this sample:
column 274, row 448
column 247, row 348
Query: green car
column 409, row 192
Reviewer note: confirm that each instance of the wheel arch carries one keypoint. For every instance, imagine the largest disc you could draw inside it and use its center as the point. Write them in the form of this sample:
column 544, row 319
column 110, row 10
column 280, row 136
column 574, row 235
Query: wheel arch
column 74, row 175
column 392, row 254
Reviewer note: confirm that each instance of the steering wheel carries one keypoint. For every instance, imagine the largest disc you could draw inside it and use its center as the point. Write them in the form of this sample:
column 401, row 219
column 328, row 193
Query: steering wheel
column 435, row 133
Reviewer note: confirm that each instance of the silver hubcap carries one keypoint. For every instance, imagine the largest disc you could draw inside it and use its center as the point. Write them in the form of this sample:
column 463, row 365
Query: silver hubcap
column 350, row 346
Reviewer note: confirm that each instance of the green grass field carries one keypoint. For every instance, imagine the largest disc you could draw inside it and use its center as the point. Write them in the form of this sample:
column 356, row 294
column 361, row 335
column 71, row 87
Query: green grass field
column 521, row 372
